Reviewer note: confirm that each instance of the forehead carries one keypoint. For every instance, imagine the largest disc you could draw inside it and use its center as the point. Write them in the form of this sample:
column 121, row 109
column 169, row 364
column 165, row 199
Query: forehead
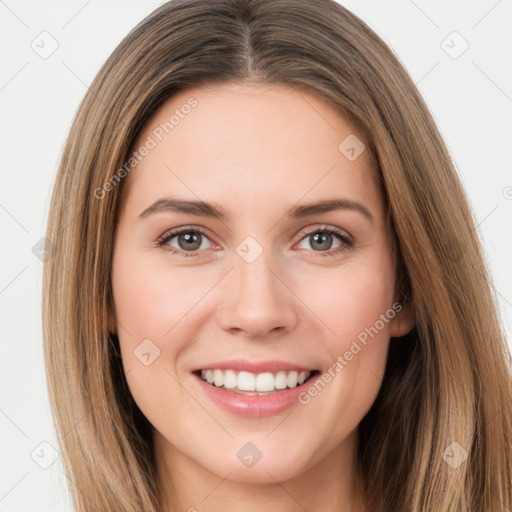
column 247, row 142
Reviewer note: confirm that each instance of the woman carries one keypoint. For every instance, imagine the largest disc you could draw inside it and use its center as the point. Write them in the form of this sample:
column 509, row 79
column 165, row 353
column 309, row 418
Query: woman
column 270, row 292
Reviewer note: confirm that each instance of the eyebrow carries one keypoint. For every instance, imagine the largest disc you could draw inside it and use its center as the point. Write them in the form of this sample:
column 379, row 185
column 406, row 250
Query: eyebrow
column 216, row 211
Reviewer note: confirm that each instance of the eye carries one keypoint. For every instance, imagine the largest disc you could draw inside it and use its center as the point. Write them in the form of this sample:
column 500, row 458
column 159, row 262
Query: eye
column 184, row 241
column 322, row 240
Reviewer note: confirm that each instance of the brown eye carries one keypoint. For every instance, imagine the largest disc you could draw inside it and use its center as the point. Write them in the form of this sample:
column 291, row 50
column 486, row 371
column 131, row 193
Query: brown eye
column 189, row 241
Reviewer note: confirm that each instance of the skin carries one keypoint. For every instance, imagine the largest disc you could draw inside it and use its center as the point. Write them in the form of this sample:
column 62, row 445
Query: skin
column 257, row 150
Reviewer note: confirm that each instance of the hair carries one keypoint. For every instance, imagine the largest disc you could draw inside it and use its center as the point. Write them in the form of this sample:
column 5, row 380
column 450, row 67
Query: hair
column 448, row 380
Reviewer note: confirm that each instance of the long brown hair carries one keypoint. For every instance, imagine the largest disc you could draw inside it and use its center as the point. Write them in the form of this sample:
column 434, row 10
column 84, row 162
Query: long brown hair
column 447, row 390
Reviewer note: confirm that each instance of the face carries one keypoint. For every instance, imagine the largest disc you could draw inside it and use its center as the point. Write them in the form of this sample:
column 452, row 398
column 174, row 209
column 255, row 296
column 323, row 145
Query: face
column 231, row 287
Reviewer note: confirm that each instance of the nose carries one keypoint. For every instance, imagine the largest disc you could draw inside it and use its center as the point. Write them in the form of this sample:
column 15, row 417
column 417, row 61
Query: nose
column 256, row 300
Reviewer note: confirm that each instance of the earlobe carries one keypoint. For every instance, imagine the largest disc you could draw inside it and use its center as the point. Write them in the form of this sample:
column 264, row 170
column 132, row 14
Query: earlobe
column 403, row 322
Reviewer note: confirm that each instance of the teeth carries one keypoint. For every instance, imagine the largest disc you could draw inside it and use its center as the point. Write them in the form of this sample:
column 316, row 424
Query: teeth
column 265, row 382
column 281, row 380
column 292, row 379
column 218, row 378
column 230, row 379
column 247, row 381
column 302, row 377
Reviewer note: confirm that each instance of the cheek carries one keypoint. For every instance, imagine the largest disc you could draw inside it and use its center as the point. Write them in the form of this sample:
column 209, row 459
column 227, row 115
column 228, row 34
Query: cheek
column 147, row 307
column 150, row 305
column 149, row 300
column 356, row 305
column 158, row 312
column 351, row 301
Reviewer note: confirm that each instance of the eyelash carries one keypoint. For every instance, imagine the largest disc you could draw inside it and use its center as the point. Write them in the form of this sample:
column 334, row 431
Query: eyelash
column 347, row 242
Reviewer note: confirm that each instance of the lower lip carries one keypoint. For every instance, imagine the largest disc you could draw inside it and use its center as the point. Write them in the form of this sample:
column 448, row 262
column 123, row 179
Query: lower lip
column 255, row 406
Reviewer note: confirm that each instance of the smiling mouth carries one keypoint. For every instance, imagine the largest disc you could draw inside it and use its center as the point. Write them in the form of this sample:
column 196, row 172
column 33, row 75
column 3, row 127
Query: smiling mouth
column 260, row 384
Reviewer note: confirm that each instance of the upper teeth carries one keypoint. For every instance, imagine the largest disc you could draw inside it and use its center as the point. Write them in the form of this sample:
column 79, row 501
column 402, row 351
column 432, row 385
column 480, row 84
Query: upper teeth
column 247, row 381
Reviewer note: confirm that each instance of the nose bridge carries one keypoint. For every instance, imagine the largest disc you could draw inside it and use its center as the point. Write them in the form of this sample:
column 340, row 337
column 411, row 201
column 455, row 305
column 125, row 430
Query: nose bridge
column 257, row 301
column 255, row 278
column 252, row 272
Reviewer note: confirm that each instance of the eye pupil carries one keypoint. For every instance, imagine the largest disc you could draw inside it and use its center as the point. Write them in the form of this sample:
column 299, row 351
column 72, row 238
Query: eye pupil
column 192, row 241
column 322, row 237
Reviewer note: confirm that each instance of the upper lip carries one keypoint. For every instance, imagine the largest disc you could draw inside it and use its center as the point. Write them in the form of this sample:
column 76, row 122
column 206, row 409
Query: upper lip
column 255, row 366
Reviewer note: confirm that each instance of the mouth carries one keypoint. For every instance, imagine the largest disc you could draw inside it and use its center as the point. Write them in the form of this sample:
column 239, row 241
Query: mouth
column 254, row 388
column 255, row 384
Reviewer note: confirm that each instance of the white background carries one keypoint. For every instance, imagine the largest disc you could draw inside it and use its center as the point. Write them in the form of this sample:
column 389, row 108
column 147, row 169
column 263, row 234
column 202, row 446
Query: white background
column 469, row 96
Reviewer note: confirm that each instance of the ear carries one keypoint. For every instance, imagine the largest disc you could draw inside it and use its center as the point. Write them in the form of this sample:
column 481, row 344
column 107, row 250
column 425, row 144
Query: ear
column 405, row 318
